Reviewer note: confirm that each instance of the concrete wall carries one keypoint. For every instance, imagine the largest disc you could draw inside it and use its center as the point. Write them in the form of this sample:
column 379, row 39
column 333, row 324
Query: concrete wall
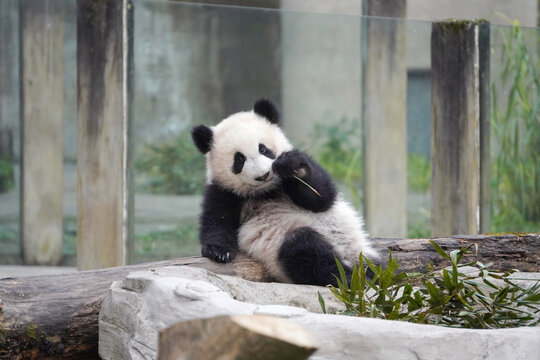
column 198, row 64
column 321, row 69
column 10, row 81
column 297, row 36
column 496, row 11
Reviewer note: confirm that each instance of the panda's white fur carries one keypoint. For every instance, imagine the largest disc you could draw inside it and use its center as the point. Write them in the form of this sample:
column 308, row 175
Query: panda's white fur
column 265, row 223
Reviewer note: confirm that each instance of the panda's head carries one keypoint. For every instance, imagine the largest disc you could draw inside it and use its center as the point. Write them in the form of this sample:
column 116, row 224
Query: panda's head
column 240, row 149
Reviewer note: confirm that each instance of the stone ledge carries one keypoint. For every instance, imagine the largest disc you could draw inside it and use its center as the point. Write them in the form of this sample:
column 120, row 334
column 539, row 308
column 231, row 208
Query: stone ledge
column 136, row 308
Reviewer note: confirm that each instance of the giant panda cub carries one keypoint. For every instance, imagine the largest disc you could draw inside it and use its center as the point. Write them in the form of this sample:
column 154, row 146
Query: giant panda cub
column 253, row 201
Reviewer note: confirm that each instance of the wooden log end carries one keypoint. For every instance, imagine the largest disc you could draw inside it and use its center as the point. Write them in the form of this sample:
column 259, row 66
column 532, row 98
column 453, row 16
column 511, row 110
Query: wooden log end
column 236, row 337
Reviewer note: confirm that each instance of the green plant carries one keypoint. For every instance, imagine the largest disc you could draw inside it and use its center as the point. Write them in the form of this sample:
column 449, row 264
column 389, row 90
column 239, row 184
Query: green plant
column 481, row 298
column 181, row 241
column 175, row 167
column 420, row 230
column 9, row 239
column 6, row 176
column 515, row 120
column 340, row 153
column 69, row 239
column 418, row 172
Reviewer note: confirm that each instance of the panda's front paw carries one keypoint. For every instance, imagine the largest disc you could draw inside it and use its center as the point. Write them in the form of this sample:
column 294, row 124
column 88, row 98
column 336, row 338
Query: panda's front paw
column 289, row 164
column 218, row 253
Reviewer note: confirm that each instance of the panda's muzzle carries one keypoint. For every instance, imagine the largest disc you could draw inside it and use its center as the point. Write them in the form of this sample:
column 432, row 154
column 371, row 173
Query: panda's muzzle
column 263, row 177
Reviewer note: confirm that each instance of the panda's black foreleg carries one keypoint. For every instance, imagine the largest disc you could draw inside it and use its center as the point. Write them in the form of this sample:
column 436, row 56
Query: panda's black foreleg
column 220, row 219
column 296, row 163
column 308, row 258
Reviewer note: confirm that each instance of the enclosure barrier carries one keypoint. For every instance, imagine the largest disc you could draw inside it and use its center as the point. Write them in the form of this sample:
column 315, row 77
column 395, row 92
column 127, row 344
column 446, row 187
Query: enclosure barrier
column 385, row 117
column 104, row 157
column 460, row 128
column 41, row 86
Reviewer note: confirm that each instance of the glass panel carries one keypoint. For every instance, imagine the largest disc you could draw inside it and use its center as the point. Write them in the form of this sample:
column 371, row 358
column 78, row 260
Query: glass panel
column 9, row 132
column 10, row 128
column 418, row 129
column 196, row 64
column 70, row 133
column 190, row 68
column 515, row 129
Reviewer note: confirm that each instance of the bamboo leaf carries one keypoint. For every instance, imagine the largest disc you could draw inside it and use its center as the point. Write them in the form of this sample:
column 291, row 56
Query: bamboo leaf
column 439, row 250
column 342, row 273
column 321, row 302
column 447, row 280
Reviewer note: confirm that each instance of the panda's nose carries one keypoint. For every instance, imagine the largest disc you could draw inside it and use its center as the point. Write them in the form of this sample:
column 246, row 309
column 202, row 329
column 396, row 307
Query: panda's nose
column 263, row 177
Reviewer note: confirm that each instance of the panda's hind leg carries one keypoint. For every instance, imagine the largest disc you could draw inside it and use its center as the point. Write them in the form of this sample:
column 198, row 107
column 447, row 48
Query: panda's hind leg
column 308, row 258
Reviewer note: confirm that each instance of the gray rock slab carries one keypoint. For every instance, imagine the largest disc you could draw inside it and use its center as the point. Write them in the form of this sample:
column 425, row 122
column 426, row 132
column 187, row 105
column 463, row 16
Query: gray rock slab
column 145, row 302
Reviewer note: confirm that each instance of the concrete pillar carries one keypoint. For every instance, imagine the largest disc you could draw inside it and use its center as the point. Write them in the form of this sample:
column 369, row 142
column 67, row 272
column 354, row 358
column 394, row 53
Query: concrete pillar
column 41, row 114
column 385, row 119
column 459, row 111
column 104, row 164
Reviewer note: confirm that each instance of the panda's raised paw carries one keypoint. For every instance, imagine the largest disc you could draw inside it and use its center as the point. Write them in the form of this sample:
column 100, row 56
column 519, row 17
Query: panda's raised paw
column 290, row 163
column 218, row 253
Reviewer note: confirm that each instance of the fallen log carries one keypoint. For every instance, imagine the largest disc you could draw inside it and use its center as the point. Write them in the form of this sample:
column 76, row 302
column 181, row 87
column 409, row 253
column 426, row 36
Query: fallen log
column 56, row 316
column 506, row 251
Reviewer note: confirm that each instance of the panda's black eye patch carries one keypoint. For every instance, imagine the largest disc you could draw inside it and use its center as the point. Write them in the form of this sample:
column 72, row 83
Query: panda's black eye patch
column 239, row 160
column 266, row 151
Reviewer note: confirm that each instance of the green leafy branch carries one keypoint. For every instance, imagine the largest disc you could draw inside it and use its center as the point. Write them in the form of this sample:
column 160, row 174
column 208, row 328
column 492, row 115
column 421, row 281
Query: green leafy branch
column 467, row 295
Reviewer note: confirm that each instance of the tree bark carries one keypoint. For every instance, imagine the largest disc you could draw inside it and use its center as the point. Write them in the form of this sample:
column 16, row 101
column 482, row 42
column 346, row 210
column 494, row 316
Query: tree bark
column 236, row 337
column 57, row 316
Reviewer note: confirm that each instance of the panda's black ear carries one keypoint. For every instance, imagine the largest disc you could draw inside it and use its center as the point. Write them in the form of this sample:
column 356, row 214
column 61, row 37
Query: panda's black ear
column 202, row 137
column 267, row 109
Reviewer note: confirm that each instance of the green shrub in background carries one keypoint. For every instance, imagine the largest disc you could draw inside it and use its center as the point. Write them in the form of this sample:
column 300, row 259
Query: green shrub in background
column 515, row 120
column 174, row 167
column 339, row 151
column 420, row 230
column 6, row 176
column 181, row 241
column 418, row 173
column 480, row 299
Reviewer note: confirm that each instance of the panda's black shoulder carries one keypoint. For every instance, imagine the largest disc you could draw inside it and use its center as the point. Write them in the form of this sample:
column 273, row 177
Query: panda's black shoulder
column 217, row 195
